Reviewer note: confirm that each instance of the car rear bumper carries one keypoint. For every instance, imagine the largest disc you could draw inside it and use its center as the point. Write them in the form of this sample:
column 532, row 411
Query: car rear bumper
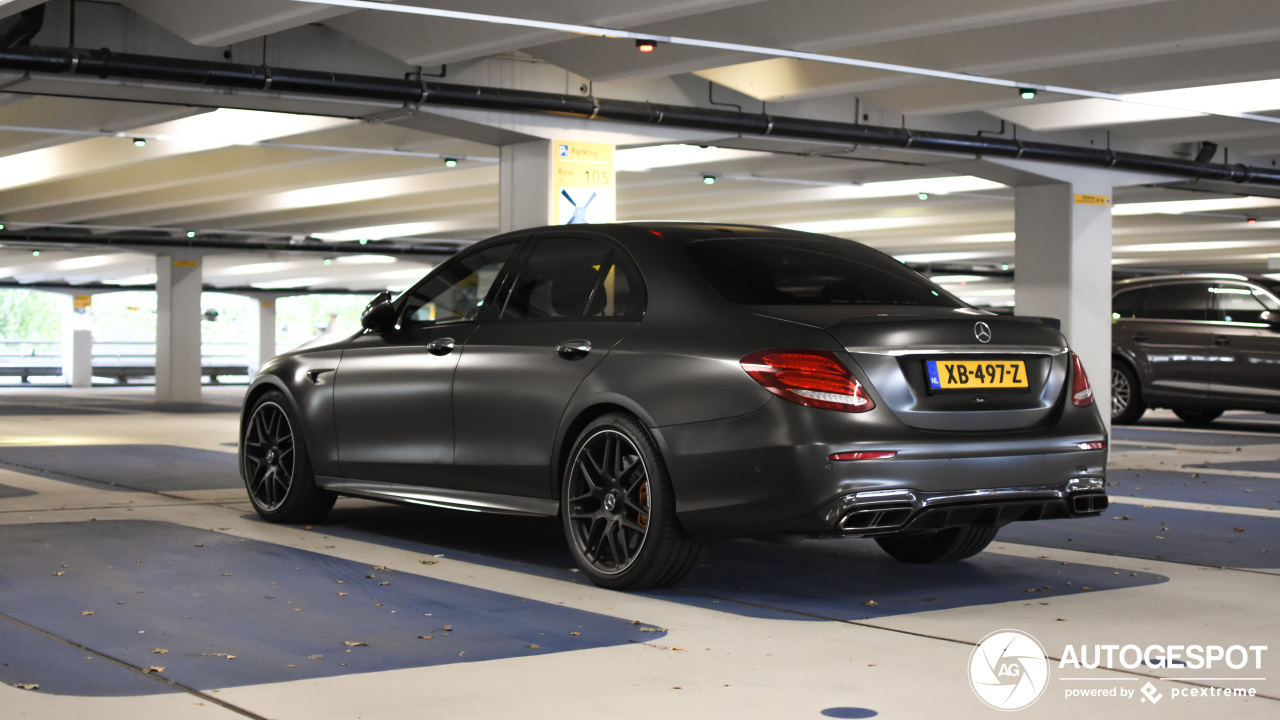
column 769, row 473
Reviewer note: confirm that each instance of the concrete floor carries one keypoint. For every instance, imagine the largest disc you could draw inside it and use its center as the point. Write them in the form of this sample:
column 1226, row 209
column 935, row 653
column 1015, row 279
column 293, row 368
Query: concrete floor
column 128, row 546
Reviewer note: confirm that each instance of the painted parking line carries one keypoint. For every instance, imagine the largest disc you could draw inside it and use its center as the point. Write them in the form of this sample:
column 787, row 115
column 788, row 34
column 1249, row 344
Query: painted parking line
column 149, row 468
column 1161, row 533
column 127, row 589
column 1196, row 487
column 1180, row 436
column 1201, row 507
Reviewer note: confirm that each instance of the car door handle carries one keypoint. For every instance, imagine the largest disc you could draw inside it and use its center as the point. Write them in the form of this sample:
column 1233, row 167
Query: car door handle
column 573, row 349
column 440, row 346
column 1139, row 337
column 1220, row 340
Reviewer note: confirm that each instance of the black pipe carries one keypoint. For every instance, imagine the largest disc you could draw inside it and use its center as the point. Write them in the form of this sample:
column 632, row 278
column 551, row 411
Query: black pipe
column 376, row 247
column 104, row 63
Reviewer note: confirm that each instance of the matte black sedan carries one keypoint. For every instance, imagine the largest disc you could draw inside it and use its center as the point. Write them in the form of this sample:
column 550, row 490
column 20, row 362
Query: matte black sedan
column 660, row 385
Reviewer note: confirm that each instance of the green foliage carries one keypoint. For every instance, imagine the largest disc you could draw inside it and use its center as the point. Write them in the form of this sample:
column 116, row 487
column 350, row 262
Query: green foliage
column 31, row 315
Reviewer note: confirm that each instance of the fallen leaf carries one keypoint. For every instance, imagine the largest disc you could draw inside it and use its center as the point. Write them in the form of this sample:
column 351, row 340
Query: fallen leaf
column 314, row 657
column 652, row 629
column 370, row 577
column 533, row 647
column 27, row 686
column 1085, row 587
column 351, row 643
column 448, row 627
column 425, row 637
column 384, row 582
column 342, row 594
column 1044, row 603
column 379, row 567
column 677, row 649
column 339, row 581
column 291, row 666
column 871, row 603
column 275, row 583
column 153, row 669
column 377, row 604
column 226, row 574
column 575, row 632
column 297, row 609
column 1062, row 619
column 307, row 527
column 88, row 612
column 427, row 562
column 1237, row 529
column 159, row 651
column 199, row 545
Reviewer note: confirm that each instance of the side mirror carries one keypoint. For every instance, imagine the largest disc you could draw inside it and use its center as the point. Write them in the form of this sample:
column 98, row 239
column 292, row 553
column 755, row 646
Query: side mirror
column 1272, row 318
column 380, row 314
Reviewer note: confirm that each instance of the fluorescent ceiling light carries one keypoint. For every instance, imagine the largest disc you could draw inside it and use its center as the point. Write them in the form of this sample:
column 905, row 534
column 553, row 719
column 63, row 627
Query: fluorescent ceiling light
column 1178, row 207
column 365, row 259
column 292, row 283
column 134, row 280
column 344, row 192
column 251, row 269
column 225, row 127
column 656, row 156
column 958, row 279
column 382, row 232
column 948, row 257
column 854, row 225
column 1189, row 246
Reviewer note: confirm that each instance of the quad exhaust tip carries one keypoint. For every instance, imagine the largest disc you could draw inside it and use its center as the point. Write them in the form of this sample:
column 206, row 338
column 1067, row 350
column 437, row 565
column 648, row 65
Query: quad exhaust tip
column 881, row 518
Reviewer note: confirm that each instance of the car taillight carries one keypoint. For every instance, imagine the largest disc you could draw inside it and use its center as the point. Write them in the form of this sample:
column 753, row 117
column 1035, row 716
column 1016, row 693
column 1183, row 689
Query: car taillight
column 808, row 377
column 1081, row 392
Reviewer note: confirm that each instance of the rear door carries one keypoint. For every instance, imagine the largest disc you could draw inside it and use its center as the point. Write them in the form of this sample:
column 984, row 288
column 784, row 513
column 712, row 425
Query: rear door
column 1245, row 371
column 572, row 300
column 1171, row 339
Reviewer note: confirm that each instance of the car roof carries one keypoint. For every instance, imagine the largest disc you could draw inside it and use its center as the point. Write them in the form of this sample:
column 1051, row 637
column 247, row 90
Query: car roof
column 1162, row 279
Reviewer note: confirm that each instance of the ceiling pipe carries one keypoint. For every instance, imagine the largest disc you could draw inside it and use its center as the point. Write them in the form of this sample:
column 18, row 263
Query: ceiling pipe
column 375, row 247
column 413, row 92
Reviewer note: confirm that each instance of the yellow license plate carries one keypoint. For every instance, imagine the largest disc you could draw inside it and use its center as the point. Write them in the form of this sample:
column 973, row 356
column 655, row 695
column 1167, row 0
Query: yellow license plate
column 976, row 374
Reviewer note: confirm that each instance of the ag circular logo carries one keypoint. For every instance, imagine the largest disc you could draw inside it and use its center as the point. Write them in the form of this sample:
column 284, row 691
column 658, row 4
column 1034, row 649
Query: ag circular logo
column 1008, row 670
column 982, row 332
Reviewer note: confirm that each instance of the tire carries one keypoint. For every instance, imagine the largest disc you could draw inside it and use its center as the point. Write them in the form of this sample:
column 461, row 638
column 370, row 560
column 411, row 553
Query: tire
column 618, row 509
column 955, row 543
column 1198, row 416
column 1126, row 395
column 276, row 467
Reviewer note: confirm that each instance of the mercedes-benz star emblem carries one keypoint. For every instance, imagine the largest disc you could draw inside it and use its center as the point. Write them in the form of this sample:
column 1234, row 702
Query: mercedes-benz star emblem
column 982, row 331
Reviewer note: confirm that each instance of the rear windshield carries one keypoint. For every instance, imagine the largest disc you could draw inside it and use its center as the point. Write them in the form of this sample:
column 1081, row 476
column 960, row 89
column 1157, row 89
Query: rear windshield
column 811, row 272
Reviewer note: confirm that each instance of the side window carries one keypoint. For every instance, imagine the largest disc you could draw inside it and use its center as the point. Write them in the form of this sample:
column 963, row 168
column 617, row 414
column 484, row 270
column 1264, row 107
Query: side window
column 1128, row 304
column 1241, row 303
column 1181, row 301
column 458, row 291
column 574, row 278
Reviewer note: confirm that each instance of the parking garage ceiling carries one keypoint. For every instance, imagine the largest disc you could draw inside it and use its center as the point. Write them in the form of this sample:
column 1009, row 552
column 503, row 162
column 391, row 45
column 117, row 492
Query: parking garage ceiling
column 118, row 157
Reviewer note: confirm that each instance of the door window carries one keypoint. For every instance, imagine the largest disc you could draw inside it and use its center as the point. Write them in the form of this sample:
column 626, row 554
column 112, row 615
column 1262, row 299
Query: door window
column 574, row 278
column 1127, row 303
column 1242, row 304
column 1182, row 301
column 458, row 292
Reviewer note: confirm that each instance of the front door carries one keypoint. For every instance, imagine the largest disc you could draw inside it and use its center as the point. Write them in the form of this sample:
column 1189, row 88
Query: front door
column 393, row 394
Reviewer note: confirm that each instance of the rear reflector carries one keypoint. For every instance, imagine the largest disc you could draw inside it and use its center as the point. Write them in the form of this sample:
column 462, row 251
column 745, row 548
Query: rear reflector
column 865, row 455
column 1081, row 391
column 1096, row 445
column 808, row 377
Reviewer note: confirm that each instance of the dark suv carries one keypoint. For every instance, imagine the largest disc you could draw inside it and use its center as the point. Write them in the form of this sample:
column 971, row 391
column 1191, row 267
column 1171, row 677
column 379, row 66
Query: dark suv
column 1197, row 344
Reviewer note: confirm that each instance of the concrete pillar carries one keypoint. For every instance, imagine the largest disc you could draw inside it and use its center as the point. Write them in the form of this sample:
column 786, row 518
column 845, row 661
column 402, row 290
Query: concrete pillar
column 1062, row 253
column 262, row 338
column 178, row 364
column 1063, row 268
column 77, row 342
column 525, row 185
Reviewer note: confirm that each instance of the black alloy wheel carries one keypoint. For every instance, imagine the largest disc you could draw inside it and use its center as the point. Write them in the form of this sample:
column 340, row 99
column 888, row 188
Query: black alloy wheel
column 276, row 468
column 955, row 543
column 1126, row 396
column 618, row 509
